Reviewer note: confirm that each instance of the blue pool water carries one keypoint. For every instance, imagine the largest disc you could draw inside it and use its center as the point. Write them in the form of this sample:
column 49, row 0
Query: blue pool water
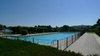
column 46, row 38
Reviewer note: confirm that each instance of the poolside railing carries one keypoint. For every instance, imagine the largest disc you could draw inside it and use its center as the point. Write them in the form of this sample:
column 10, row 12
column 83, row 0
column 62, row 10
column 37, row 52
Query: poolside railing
column 66, row 42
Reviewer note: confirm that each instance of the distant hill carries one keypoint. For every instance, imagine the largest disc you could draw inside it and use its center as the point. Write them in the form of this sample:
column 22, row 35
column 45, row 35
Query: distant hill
column 81, row 26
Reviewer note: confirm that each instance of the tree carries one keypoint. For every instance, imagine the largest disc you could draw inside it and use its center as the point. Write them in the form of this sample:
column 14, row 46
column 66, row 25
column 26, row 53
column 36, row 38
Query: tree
column 49, row 28
column 31, row 30
column 98, row 22
column 97, row 30
column 56, row 29
column 94, row 26
column 24, row 32
column 16, row 29
column 65, row 28
column 2, row 27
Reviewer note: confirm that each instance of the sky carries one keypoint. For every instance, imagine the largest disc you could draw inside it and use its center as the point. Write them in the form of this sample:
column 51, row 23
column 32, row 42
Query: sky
column 49, row 12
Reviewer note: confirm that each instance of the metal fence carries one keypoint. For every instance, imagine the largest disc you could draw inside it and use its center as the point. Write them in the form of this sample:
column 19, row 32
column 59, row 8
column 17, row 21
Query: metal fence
column 28, row 39
column 59, row 44
column 66, row 42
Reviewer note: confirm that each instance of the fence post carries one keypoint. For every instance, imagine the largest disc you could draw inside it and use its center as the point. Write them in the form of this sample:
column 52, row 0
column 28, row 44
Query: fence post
column 6, row 37
column 33, row 40
column 25, row 39
column 67, row 42
column 72, row 39
column 78, row 34
column 57, row 44
column 75, row 37
column 17, row 38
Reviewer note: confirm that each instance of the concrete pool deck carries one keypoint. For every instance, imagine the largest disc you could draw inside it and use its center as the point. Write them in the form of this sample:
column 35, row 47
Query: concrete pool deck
column 88, row 43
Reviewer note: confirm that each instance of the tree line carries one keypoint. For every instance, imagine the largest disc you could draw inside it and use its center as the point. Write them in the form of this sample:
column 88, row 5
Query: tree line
column 96, row 27
column 37, row 29
column 40, row 29
column 48, row 28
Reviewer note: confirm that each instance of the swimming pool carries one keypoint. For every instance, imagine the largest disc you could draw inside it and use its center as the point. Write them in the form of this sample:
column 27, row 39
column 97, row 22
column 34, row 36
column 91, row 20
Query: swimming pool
column 45, row 38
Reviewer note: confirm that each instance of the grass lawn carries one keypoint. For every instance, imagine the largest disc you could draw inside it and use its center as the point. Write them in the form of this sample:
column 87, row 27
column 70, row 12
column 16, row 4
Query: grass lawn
column 21, row 48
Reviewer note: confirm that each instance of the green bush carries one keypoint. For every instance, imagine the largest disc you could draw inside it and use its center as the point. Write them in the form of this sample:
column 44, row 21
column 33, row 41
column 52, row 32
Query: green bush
column 97, row 30
column 24, row 32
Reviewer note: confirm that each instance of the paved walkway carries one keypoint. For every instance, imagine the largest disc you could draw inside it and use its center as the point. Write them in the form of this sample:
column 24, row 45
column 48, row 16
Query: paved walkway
column 88, row 43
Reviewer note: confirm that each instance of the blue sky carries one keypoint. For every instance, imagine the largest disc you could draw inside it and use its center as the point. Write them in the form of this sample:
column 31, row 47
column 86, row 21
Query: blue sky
column 49, row 12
